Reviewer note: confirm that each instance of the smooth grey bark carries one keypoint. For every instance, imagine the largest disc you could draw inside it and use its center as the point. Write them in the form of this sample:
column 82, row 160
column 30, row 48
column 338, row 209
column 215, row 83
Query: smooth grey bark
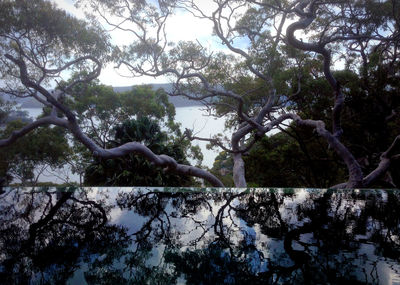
column 353, row 167
column 306, row 18
column 255, row 126
column 238, row 171
column 165, row 161
column 71, row 124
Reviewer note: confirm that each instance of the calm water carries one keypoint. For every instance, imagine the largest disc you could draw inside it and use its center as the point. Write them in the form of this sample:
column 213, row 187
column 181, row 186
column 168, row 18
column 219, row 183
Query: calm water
column 199, row 236
column 190, row 117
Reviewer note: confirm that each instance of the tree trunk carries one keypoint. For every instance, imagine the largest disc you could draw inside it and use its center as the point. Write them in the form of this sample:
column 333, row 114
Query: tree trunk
column 238, row 171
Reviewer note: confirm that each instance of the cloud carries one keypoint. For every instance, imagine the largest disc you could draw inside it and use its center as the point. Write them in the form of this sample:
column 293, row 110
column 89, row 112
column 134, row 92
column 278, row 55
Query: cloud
column 182, row 26
column 185, row 27
column 110, row 76
column 68, row 5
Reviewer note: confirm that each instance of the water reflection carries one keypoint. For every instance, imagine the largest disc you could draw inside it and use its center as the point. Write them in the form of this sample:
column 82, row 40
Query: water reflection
column 148, row 236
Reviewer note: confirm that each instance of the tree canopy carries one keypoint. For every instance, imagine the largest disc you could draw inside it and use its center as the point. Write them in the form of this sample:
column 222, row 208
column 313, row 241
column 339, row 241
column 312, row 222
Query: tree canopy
column 133, row 170
column 323, row 73
column 30, row 156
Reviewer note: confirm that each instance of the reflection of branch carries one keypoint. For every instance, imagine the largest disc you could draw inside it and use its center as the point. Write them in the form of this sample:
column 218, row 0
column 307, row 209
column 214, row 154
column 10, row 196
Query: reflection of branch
column 219, row 224
column 299, row 257
column 95, row 205
column 38, row 233
column 34, row 228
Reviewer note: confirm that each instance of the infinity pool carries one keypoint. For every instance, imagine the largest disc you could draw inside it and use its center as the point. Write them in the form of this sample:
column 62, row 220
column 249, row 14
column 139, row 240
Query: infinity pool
column 199, row 236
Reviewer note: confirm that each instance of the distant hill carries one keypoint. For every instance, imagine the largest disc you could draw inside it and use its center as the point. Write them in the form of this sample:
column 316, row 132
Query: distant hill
column 177, row 101
column 25, row 102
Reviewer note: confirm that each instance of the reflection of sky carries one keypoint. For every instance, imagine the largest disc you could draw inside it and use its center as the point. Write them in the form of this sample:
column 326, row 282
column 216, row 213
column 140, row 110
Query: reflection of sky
column 261, row 248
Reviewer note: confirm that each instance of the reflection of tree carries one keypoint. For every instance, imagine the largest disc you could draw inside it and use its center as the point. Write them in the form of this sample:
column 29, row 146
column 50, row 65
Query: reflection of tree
column 314, row 241
column 46, row 234
column 326, row 234
column 164, row 210
column 254, row 237
column 386, row 217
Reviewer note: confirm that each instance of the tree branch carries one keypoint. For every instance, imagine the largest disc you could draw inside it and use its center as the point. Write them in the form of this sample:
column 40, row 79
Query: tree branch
column 134, row 147
column 49, row 120
column 386, row 158
column 306, row 18
column 354, row 168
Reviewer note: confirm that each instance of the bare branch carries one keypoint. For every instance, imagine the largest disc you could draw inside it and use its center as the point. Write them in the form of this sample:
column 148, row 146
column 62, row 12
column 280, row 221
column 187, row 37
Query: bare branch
column 306, row 19
column 390, row 154
column 355, row 172
column 213, row 141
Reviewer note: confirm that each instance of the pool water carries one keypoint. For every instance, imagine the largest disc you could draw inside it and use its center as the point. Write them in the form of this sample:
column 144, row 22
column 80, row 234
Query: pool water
column 199, row 236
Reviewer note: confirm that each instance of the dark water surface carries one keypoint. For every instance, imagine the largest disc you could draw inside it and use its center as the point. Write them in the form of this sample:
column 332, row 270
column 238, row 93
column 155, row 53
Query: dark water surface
column 199, row 236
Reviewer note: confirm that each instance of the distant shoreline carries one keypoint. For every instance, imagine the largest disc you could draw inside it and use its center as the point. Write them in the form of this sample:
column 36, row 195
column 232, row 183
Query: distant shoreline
column 177, row 101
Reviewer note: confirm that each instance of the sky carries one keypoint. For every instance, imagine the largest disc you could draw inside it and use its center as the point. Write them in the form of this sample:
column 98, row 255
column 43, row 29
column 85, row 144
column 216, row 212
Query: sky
column 180, row 27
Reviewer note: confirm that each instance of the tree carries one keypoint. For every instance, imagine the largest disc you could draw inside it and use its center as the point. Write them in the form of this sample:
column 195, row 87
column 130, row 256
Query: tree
column 99, row 108
column 4, row 110
column 253, row 84
column 133, row 170
column 41, row 43
column 30, row 156
column 46, row 234
column 302, row 155
column 257, row 237
column 112, row 119
column 27, row 159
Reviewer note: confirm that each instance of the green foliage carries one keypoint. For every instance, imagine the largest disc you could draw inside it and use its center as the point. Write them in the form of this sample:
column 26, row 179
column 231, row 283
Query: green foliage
column 44, row 23
column 5, row 109
column 112, row 119
column 45, row 146
column 139, row 101
column 223, row 168
column 298, row 157
column 47, row 39
column 104, row 107
column 134, row 170
column 144, row 113
column 284, row 161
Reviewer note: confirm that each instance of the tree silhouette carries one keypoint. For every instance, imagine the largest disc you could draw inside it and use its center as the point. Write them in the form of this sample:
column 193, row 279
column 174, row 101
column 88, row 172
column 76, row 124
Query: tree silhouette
column 47, row 234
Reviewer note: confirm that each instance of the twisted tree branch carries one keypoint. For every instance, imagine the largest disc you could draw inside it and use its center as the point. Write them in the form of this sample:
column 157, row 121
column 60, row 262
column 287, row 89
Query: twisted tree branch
column 306, row 18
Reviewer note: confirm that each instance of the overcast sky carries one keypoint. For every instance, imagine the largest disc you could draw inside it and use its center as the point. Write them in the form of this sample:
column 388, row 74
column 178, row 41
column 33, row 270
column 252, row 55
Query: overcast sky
column 180, row 27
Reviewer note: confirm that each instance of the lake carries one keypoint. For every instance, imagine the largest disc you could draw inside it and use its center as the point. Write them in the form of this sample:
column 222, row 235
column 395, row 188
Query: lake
column 194, row 118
